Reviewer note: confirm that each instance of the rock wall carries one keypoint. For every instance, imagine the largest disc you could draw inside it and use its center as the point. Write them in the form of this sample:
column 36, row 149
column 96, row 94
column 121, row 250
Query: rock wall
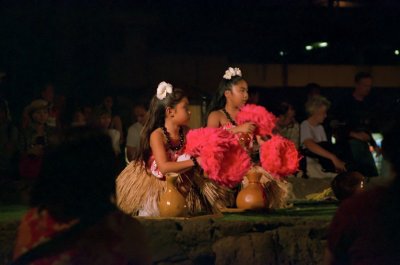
column 211, row 240
column 214, row 241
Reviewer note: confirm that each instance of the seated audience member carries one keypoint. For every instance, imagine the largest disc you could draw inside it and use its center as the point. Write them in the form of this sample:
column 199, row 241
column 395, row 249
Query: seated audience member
column 34, row 138
column 133, row 137
column 346, row 184
column 313, row 140
column 8, row 142
column 357, row 115
column 47, row 93
column 73, row 219
column 286, row 125
column 365, row 228
column 102, row 119
column 116, row 122
column 78, row 118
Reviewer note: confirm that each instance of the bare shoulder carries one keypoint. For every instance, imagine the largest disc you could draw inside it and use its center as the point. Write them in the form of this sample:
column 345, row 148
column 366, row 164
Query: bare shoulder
column 215, row 114
column 157, row 135
column 214, row 118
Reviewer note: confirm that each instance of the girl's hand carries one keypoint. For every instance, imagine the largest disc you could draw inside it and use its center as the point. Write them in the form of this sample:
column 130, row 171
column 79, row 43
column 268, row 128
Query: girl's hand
column 260, row 140
column 198, row 159
column 247, row 127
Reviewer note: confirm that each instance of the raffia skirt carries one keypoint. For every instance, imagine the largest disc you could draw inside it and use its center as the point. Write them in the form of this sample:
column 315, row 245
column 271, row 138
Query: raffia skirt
column 277, row 191
column 138, row 192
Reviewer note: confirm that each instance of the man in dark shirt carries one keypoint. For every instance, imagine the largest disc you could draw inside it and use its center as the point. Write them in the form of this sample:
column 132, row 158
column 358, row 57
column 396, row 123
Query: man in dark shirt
column 356, row 115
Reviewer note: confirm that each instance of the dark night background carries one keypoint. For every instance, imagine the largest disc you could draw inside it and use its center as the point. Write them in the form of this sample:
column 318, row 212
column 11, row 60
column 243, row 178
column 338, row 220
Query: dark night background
column 73, row 42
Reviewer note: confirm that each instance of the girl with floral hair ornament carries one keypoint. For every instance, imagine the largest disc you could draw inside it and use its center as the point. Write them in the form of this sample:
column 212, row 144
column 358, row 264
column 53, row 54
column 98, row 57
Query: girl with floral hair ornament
column 252, row 125
column 161, row 151
column 231, row 95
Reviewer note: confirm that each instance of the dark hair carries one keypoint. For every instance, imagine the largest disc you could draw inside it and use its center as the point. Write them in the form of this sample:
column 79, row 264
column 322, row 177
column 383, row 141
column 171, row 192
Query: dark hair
column 282, row 108
column 361, row 75
column 345, row 184
column 312, row 88
column 156, row 119
column 219, row 100
column 78, row 175
column 102, row 110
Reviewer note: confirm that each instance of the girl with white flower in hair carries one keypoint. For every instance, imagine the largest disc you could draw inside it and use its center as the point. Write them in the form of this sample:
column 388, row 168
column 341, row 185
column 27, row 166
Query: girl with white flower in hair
column 231, row 95
column 161, row 151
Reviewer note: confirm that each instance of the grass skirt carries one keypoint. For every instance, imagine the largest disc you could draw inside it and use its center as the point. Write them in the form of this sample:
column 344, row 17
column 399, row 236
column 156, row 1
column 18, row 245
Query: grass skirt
column 277, row 191
column 138, row 192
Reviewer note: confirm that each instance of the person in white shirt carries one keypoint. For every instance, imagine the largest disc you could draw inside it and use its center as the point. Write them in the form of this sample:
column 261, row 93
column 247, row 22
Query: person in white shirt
column 133, row 137
column 312, row 133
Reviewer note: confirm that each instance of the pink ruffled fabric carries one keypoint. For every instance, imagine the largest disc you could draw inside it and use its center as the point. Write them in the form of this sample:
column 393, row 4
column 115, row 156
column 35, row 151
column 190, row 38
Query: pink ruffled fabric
column 223, row 159
column 264, row 120
column 279, row 156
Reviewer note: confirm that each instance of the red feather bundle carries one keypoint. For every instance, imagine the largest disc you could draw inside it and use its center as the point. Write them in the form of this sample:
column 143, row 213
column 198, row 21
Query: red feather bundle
column 264, row 120
column 279, row 156
column 223, row 159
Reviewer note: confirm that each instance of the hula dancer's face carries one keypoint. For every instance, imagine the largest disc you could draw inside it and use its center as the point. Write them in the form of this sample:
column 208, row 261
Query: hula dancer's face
column 238, row 95
column 182, row 112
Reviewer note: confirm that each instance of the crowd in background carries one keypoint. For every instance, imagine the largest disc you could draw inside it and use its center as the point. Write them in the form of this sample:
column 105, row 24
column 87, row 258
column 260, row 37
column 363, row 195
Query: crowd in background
column 311, row 126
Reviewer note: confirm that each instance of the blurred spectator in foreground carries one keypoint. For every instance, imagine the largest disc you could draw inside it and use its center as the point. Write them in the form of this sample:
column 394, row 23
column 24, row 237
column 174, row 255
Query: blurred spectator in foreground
column 365, row 228
column 347, row 184
column 73, row 219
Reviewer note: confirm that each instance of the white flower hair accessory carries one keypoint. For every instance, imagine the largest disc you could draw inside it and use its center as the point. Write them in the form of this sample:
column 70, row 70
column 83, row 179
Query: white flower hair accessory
column 232, row 72
column 163, row 89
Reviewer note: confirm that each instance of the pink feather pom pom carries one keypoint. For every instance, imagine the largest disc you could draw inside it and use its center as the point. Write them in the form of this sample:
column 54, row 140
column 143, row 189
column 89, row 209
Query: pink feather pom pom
column 279, row 156
column 264, row 120
column 223, row 159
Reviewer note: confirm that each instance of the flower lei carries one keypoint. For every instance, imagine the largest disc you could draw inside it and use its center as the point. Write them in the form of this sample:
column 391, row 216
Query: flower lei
column 163, row 89
column 232, row 72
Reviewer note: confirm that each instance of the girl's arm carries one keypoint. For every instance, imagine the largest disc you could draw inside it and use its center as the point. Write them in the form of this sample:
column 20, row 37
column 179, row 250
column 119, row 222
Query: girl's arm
column 214, row 121
column 160, row 155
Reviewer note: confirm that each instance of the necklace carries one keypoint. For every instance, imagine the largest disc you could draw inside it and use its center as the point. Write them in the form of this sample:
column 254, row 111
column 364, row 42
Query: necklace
column 228, row 116
column 169, row 143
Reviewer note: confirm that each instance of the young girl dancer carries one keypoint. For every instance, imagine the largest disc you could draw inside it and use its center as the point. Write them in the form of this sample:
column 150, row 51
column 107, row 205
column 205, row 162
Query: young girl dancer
column 232, row 94
column 161, row 151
